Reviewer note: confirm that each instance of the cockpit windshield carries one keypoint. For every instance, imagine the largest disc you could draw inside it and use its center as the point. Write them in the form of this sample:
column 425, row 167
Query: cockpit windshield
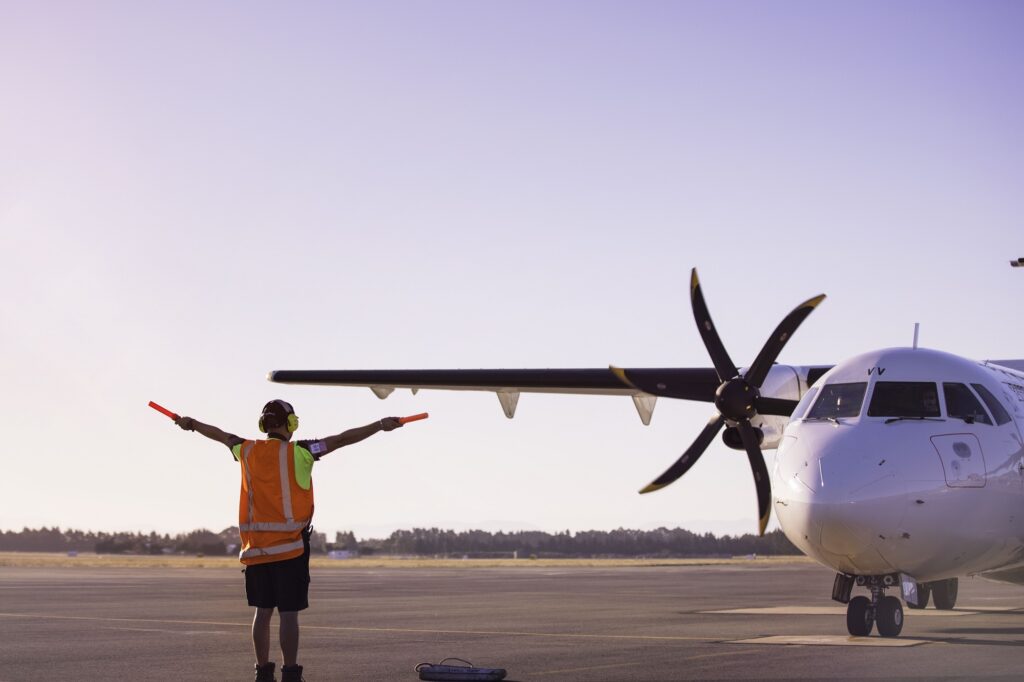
column 914, row 399
column 839, row 400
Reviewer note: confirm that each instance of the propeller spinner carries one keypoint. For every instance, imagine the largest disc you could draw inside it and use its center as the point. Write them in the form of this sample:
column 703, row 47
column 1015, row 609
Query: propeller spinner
column 738, row 398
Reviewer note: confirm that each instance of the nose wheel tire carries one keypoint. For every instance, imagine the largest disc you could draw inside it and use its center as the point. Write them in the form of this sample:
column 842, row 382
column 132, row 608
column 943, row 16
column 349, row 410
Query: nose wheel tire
column 860, row 617
column 924, row 591
column 889, row 617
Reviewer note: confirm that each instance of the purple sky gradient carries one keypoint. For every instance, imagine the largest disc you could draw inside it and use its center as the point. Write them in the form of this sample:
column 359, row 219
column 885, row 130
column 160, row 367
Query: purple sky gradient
column 192, row 194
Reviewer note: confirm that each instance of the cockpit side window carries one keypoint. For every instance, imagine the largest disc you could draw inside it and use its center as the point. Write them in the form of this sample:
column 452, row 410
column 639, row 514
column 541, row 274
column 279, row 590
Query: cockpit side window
column 904, row 399
column 804, row 403
column 961, row 404
column 994, row 406
column 839, row 400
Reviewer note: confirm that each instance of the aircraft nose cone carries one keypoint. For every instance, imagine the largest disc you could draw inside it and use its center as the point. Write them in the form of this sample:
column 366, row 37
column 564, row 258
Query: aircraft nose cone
column 837, row 502
column 842, row 531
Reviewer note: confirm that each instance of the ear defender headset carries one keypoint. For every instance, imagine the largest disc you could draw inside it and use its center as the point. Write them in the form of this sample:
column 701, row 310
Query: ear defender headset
column 278, row 413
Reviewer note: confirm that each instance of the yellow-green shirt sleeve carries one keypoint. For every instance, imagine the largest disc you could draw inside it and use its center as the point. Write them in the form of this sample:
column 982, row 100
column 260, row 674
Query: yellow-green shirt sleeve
column 303, row 467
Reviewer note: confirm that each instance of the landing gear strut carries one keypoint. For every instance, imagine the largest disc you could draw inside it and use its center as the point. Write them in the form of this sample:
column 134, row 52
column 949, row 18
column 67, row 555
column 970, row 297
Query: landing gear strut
column 862, row 613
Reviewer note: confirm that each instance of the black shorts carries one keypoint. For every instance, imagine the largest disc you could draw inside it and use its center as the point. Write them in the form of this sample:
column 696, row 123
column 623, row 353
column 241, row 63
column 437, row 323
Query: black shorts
column 280, row 584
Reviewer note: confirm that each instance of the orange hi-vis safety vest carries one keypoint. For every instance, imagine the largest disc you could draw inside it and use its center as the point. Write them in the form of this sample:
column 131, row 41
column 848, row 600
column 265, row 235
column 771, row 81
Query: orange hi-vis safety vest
column 273, row 509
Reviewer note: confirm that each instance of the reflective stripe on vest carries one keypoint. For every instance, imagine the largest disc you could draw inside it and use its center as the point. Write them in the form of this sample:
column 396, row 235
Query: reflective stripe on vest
column 286, row 483
column 274, row 527
column 248, row 477
column 269, row 551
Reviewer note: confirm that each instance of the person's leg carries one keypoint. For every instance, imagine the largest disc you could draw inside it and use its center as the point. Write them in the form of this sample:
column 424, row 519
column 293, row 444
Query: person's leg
column 289, row 636
column 293, row 596
column 261, row 634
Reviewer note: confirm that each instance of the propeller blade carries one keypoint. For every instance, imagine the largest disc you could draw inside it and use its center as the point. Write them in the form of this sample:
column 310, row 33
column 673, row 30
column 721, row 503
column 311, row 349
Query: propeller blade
column 757, row 372
column 724, row 365
column 760, row 471
column 777, row 407
column 688, row 458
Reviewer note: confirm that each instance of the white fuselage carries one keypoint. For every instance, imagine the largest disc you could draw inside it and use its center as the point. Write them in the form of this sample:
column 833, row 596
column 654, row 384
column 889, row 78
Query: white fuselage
column 867, row 493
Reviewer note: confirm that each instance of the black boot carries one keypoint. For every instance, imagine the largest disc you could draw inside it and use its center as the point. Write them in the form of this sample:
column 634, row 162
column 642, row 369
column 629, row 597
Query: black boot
column 291, row 673
column 265, row 673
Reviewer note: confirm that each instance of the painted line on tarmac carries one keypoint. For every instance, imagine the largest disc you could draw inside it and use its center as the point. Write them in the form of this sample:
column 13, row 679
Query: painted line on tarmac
column 104, row 619
column 338, row 628
column 729, row 654
column 579, row 670
column 777, row 639
column 171, row 632
column 514, row 633
column 841, row 611
column 834, row 640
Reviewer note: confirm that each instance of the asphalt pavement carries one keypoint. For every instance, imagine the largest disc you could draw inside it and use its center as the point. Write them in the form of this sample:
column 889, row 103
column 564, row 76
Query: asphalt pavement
column 753, row 621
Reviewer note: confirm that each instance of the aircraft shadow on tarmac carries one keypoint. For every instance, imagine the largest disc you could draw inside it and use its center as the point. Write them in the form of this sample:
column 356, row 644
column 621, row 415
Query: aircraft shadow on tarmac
column 965, row 636
column 966, row 631
column 962, row 641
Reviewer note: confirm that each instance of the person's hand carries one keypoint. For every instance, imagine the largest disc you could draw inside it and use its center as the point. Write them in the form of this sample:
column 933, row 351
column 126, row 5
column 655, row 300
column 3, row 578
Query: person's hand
column 186, row 423
column 390, row 423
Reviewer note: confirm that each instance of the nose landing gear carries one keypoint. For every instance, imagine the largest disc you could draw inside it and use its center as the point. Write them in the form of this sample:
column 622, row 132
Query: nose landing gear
column 862, row 613
column 886, row 612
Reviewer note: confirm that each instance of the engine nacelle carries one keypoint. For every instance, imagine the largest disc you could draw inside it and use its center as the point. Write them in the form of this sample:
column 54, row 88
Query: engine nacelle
column 731, row 437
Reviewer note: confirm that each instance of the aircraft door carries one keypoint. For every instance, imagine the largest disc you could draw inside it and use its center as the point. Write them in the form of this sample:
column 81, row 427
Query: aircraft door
column 962, row 460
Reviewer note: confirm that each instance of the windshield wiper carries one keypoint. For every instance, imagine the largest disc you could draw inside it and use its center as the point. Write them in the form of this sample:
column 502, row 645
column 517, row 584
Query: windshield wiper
column 890, row 420
column 834, row 420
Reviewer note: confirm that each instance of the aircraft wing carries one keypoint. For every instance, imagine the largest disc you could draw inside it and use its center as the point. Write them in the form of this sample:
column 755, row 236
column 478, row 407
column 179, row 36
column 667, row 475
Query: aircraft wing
column 764, row 389
column 1012, row 364
column 686, row 383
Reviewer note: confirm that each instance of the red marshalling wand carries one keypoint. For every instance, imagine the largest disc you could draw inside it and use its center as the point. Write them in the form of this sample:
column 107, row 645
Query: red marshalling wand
column 164, row 410
column 413, row 418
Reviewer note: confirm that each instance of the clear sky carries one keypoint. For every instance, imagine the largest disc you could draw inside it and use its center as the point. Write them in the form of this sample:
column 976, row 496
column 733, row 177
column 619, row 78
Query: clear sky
column 195, row 193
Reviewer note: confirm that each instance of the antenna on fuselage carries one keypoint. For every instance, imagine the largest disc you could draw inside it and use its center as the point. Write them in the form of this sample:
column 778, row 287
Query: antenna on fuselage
column 917, row 329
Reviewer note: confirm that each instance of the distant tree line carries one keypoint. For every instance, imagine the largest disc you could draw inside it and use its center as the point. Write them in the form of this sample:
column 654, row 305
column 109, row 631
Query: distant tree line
column 623, row 542
column 662, row 542
column 57, row 540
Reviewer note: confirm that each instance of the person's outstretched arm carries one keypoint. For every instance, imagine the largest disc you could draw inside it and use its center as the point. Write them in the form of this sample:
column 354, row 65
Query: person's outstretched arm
column 211, row 432
column 351, row 436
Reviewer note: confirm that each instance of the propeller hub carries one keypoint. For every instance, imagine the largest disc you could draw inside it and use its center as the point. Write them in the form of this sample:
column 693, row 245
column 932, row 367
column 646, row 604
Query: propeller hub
column 736, row 399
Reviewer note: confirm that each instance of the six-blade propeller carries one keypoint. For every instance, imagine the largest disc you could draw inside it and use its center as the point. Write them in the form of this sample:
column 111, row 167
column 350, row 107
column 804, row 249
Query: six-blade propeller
column 738, row 398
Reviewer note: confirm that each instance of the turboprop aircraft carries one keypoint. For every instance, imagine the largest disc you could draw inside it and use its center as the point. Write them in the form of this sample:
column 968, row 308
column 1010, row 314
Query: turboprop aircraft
column 900, row 468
